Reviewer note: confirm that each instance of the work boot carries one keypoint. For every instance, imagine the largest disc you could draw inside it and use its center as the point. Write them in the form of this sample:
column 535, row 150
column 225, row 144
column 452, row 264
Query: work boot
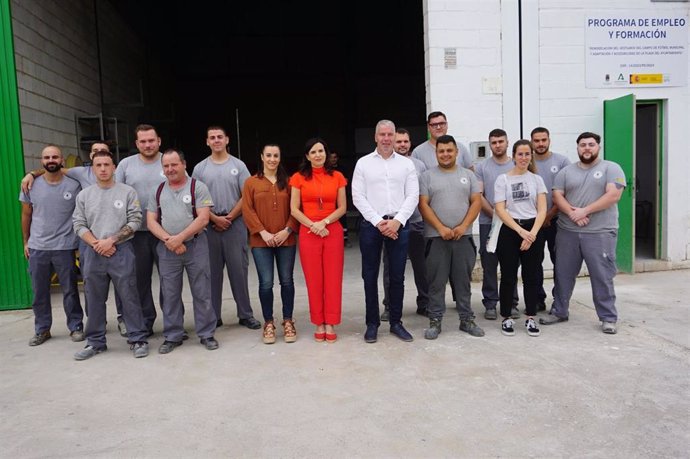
column 434, row 329
column 471, row 328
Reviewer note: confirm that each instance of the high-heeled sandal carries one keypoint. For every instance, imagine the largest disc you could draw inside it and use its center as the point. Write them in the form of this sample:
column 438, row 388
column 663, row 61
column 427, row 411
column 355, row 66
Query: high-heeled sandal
column 289, row 331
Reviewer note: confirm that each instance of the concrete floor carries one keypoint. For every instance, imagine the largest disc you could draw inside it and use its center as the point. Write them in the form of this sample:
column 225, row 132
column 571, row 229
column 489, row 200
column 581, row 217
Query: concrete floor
column 571, row 392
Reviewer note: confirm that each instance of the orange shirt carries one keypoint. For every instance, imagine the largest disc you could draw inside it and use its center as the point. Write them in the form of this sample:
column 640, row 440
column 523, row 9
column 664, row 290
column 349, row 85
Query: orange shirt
column 319, row 194
column 265, row 207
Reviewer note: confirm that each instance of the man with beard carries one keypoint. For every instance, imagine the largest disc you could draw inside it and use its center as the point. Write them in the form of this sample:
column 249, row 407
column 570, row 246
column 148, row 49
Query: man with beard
column 587, row 194
column 144, row 173
column 548, row 165
column 49, row 244
column 84, row 175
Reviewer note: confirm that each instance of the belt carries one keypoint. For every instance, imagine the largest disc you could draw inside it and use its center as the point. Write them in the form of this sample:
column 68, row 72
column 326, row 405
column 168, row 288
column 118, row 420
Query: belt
column 523, row 221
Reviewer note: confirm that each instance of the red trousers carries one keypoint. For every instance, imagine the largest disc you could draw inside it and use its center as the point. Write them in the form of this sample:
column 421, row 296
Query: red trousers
column 322, row 262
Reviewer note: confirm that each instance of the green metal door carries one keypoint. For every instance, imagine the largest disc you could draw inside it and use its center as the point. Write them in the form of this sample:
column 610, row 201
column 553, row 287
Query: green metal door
column 619, row 146
column 15, row 289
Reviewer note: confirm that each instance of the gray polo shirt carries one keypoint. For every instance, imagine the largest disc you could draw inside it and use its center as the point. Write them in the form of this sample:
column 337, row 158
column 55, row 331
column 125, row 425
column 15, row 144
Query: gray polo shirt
column 487, row 172
column 582, row 187
column 224, row 181
column 51, row 217
column 547, row 170
column 143, row 177
column 426, row 153
column 104, row 211
column 449, row 196
column 176, row 205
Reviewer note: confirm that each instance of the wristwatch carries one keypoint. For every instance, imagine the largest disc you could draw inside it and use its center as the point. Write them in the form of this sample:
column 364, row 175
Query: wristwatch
column 328, row 222
column 288, row 229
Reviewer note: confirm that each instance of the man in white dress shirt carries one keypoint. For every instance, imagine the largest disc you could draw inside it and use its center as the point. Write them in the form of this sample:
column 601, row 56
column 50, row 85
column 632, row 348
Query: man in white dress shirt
column 385, row 190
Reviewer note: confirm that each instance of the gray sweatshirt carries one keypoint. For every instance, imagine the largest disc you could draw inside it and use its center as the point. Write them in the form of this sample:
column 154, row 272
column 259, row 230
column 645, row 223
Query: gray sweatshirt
column 104, row 211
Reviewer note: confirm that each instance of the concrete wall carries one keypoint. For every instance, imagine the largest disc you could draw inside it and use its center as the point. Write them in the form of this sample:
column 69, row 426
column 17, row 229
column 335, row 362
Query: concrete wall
column 554, row 93
column 57, row 68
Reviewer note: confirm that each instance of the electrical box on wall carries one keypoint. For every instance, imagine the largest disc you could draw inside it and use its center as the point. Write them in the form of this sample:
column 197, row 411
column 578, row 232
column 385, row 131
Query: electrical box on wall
column 480, row 150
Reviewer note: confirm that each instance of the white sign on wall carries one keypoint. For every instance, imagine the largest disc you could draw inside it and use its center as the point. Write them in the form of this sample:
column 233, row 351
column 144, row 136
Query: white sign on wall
column 633, row 50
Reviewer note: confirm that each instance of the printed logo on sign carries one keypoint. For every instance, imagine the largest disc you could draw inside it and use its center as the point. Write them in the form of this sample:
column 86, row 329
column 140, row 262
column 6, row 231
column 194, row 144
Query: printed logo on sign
column 554, row 169
column 118, row 204
column 234, row 171
column 187, row 199
column 598, row 174
column 67, row 196
column 463, row 180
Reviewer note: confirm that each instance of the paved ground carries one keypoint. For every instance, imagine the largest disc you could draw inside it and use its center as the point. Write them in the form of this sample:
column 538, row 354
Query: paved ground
column 571, row 392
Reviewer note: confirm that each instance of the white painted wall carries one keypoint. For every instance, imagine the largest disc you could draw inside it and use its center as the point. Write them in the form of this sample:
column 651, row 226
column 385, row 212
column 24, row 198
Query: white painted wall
column 554, row 92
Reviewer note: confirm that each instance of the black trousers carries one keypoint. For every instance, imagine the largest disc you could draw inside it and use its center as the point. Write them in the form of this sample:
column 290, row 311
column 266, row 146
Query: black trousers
column 510, row 257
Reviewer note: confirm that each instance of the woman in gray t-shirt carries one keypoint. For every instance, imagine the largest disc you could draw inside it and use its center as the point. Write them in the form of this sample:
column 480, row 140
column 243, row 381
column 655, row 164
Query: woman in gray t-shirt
column 520, row 199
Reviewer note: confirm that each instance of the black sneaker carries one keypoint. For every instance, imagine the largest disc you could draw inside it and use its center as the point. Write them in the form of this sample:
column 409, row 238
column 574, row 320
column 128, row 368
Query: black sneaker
column 210, row 343
column 168, row 346
column 531, row 327
column 251, row 323
column 507, row 327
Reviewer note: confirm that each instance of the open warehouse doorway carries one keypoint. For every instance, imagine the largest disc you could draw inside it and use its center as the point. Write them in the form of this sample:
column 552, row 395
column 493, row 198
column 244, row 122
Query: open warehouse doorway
column 275, row 71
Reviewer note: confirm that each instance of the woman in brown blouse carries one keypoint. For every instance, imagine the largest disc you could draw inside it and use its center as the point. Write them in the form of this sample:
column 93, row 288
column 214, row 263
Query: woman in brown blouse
column 266, row 212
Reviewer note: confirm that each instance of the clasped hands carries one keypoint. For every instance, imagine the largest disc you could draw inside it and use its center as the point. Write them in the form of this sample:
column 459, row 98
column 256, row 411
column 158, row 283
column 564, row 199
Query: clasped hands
column 104, row 247
column 274, row 240
column 579, row 216
column 221, row 223
column 452, row 234
column 319, row 228
column 389, row 228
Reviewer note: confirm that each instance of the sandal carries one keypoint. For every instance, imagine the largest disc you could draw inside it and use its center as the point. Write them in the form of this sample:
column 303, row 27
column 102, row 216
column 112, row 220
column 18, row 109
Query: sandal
column 269, row 333
column 289, row 331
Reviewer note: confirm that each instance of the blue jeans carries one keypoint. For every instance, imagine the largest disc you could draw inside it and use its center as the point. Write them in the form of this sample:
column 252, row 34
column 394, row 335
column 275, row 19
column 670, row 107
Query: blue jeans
column 370, row 242
column 285, row 262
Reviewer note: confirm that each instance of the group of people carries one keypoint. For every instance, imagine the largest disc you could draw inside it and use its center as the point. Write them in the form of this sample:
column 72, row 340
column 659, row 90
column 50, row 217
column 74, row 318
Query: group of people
column 420, row 203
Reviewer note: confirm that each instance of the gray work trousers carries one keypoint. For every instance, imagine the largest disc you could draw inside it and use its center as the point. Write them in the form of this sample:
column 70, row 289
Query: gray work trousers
column 144, row 244
column 98, row 272
column 598, row 250
column 228, row 249
column 171, row 268
column 490, row 271
column 455, row 260
column 41, row 266
column 415, row 252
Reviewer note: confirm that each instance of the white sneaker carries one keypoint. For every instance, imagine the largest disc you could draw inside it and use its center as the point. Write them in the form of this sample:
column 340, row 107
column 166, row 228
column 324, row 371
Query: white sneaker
column 507, row 327
column 531, row 327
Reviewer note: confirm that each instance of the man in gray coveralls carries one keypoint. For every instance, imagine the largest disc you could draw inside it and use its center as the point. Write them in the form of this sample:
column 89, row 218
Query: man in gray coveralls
column 177, row 214
column 587, row 194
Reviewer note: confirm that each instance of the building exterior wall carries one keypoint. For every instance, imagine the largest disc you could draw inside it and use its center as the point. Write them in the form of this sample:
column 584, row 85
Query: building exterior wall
column 57, row 68
column 553, row 90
